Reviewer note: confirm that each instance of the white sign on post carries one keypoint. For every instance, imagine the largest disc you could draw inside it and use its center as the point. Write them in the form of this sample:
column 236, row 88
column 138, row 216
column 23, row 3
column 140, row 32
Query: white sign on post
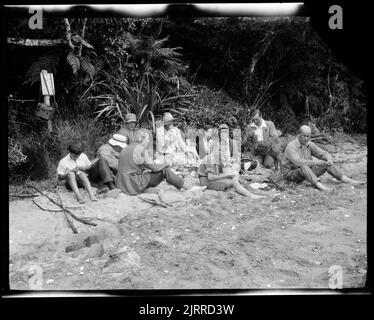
column 48, row 86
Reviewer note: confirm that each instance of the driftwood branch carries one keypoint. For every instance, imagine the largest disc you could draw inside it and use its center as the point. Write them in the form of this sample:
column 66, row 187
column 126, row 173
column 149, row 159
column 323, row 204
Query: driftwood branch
column 70, row 223
column 44, row 209
column 66, row 211
column 20, row 195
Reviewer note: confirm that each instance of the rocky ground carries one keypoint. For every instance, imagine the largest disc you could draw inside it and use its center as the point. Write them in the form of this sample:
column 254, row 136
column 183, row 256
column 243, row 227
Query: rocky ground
column 205, row 240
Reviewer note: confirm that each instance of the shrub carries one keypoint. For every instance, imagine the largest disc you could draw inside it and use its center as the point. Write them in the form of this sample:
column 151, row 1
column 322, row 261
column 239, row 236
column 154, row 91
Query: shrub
column 15, row 154
column 89, row 131
column 44, row 150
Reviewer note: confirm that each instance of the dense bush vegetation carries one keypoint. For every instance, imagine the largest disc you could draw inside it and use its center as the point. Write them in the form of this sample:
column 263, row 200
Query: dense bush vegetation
column 204, row 70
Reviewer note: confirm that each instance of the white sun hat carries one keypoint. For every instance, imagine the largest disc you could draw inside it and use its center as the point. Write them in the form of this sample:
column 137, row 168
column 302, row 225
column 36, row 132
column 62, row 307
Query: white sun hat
column 168, row 117
column 118, row 140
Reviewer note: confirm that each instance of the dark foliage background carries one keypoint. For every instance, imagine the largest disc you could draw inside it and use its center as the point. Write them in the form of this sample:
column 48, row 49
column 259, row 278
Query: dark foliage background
column 205, row 70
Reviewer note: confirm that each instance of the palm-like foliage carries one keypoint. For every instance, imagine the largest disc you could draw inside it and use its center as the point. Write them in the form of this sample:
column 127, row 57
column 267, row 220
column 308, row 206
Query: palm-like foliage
column 143, row 78
column 154, row 58
column 145, row 99
column 56, row 60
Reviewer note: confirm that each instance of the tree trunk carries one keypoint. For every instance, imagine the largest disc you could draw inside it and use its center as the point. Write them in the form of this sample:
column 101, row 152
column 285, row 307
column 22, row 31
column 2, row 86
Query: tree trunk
column 307, row 111
column 68, row 33
column 251, row 69
column 82, row 36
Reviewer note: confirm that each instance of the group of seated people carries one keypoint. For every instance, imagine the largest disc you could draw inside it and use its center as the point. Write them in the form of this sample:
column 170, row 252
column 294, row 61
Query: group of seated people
column 127, row 161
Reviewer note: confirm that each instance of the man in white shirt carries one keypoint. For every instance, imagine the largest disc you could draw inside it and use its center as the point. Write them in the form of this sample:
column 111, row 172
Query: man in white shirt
column 73, row 169
column 171, row 145
column 268, row 146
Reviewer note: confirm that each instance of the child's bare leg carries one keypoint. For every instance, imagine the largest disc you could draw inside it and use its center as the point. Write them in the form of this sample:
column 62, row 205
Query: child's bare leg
column 83, row 176
column 74, row 186
column 243, row 191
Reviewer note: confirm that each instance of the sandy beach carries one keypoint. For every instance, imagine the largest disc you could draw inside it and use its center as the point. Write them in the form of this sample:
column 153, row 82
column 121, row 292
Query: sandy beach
column 201, row 240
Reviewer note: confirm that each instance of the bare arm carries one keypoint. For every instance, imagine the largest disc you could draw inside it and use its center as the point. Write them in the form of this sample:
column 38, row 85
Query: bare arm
column 214, row 177
column 148, row 162
column 319, row 153
column 156, row 167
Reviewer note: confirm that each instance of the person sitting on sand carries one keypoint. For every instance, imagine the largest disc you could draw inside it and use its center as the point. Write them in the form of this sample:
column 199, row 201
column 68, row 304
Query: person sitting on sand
column 229, row 150
column 299, row 165
column 211, row 174
column 205, row 141
column 171, row 146
column 267, row 149
column 128, row 130
column 133, row 178
column 73, row 169
column 105, row 167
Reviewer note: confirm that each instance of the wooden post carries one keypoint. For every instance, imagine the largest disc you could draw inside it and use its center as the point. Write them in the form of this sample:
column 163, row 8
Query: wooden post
column 48, row 90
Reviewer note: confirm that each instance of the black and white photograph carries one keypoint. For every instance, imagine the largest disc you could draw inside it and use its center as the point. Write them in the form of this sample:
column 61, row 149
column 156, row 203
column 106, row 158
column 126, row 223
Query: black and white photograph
column 150, row 149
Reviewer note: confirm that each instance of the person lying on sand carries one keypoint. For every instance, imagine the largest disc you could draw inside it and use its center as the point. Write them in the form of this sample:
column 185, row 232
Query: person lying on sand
column 133, row 178
column 211, row 175
column 298, row 162
column 105, row 167
column 73, row 169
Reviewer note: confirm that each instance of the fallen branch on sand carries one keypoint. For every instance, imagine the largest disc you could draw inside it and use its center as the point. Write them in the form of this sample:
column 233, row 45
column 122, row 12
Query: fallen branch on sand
column 20, row 195
column 66, row 211
column 44, row 209
column 154, row 202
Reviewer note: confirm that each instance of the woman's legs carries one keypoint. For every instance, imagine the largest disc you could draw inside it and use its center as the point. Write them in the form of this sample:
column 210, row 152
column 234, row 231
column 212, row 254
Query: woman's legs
column 71, row 178
column 241, row 190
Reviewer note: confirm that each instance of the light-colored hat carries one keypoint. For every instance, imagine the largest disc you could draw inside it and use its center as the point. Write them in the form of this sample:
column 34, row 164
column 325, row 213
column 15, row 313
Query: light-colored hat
column 223, row 126
column 130, row 117
column 118, row 140
column 168, row 117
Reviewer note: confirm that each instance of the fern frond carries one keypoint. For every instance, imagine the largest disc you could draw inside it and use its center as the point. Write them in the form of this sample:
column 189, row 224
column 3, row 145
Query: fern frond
column 87, row 67
column 47, row 62
column 73, row 61
column 160, row 42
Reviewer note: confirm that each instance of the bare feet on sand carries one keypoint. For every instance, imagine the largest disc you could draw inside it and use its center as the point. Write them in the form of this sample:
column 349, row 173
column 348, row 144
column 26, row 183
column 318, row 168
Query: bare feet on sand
column 256, row 196
column 321, row 187
column 196, row 188
column 81, row 200
column 351, row 181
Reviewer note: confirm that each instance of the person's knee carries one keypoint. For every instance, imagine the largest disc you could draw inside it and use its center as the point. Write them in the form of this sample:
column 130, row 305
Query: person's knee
column 305, row 170
column 167, row 171
column 103, row 163
column 267, row 165
column 234, row 183
column 71, row 176
column 83, row 177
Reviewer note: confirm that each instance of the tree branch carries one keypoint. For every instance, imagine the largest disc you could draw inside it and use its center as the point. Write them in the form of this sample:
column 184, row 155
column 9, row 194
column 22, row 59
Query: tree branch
column 64, row 209
column 68, row 33
column 82, row 36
